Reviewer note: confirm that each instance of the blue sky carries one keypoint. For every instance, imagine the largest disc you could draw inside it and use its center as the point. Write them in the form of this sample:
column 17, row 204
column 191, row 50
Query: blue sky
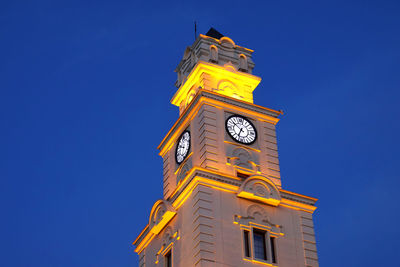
column 84, row 102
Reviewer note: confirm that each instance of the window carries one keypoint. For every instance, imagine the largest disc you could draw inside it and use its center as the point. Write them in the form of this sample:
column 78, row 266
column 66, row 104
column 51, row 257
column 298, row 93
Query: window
column 261, row 247
column 246, row 243
column 272, row 240
column 260, row 250
column 242, row 175
column 168, row 259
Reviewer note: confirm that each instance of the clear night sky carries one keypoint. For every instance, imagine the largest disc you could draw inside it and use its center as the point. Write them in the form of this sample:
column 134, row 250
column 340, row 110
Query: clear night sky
column 84, row 102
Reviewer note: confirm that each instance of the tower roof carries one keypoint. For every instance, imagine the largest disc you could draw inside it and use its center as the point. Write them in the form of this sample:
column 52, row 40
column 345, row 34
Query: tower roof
column 214, row 33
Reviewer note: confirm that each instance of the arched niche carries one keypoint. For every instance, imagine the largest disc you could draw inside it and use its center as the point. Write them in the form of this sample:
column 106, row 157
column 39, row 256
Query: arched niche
column 260, row 188
column 182, row 106
column 227, row 87
column 230, row 67
column 161, row 213
column 243, row 62
column 213, row 53
column 240, row 157
column 183, row 172
column 190, row 96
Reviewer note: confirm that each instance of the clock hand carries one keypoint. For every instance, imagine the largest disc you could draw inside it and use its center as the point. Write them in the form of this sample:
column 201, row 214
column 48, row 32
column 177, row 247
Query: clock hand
column 238, row 127
column 181, row 146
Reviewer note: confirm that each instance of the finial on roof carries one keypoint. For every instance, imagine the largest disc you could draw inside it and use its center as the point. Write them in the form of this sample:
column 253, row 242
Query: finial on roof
column 214, row 33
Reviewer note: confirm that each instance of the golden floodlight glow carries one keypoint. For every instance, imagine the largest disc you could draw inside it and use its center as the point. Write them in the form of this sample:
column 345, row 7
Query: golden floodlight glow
column 225, row 80
column 167, row 216
column 221, row 186
column 259, row 262
column 224, row 184
column 270, row 201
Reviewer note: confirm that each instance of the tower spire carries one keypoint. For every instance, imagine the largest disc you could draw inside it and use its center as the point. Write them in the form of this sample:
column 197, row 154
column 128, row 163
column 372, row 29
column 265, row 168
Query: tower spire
column 195, row 30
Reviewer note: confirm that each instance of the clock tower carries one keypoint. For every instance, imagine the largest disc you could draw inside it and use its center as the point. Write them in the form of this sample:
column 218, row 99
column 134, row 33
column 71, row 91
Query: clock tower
column 223, row 202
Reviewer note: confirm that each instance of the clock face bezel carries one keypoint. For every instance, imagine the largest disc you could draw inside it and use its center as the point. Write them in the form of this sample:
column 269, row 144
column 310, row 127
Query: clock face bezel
column 177, row 146
column 246, row 119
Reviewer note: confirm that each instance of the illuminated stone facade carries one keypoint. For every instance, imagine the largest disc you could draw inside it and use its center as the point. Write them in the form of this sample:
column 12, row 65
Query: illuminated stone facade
column 224, row 204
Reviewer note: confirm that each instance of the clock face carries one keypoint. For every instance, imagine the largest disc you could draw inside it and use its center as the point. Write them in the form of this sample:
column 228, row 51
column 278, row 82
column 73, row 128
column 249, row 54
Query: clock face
column 183, row 147
column 241, row 129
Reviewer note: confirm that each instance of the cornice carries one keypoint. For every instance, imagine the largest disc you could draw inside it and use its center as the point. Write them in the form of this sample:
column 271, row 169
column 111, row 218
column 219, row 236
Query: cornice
column 239, row 103
column 298, row 197
column 196, row 46
column 232, row 181
column 298, row 201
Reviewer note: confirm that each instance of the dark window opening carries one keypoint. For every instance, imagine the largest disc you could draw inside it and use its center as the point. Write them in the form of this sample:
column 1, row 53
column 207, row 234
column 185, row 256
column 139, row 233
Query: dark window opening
column 246, row 244
column 168, row 259
column 272, row 239
column 260, row 249
column 242, row 175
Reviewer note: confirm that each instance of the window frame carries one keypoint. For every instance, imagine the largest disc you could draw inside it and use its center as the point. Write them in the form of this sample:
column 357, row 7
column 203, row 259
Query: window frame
column 274, row 256
column 271, row 254
column 247, row 243
column 264, row 245
column 168, row 255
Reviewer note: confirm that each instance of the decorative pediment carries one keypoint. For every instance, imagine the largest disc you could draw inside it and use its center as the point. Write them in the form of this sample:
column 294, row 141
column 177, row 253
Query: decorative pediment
column 257, row 213
column 168, row 239
column 227, row 86
column 227, row 42
column 260, row 188
column 242, row 158
column 168, row 235
column 161, row 213
column 258, row 216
